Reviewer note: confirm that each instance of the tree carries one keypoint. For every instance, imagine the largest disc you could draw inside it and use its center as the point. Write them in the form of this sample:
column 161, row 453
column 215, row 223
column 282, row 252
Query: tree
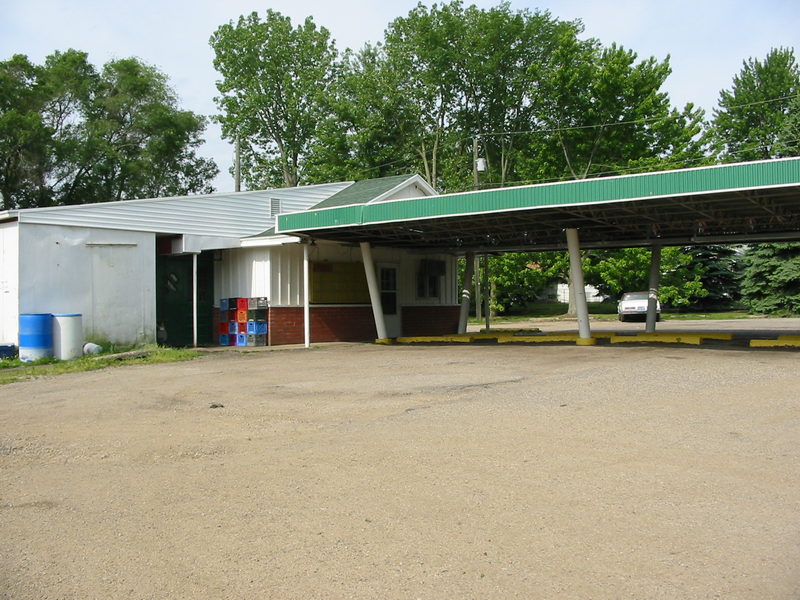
column 626, row 270
column 368, row 124
column 720, row 273
column 72, row 135
column 771, row 280
column 754, row 114
column 24, row 138
column 274, row 79
column 757, row 119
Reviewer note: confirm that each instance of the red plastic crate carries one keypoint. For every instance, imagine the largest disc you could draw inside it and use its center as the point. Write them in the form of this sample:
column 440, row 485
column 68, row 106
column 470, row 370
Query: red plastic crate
column 223, row 328
column 242, row 327
column 242, row 303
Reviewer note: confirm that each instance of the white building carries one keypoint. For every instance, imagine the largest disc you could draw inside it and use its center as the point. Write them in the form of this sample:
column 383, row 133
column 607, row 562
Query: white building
column 132, row 265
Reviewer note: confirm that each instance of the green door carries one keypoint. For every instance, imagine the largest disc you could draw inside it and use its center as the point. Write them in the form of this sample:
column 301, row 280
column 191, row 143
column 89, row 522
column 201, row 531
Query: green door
column 174, row 299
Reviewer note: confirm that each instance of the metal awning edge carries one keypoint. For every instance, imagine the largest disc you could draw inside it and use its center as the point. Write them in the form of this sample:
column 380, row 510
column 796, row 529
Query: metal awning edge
column 780, row 173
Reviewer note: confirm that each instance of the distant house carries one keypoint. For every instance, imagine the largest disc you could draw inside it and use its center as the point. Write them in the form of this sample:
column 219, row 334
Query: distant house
column 129, row 267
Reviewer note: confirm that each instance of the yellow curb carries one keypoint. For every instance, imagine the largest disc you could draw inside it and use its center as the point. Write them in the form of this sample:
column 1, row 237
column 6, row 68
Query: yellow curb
column 504, row 330
column 385, row 341
column 586, row 341
column 716, row 336
column 433, row 339
column 510, row 339
column 780, row 342
column 665, row 338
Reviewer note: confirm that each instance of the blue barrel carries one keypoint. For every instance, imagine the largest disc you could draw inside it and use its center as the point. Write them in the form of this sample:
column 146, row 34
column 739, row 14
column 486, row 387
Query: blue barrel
column 35, row 336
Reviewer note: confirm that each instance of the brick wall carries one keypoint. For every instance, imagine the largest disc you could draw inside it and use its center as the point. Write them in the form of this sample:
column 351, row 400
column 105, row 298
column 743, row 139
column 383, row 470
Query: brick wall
column 430, row 320
column 328, row 324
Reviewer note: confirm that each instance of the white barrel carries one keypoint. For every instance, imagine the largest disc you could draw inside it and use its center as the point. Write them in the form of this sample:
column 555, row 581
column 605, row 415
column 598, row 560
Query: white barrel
column 67, row 336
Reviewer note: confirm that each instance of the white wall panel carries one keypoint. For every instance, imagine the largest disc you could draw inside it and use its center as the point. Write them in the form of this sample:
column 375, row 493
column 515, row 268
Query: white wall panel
column 242, row 273
column 108, row 276
column 9, row 282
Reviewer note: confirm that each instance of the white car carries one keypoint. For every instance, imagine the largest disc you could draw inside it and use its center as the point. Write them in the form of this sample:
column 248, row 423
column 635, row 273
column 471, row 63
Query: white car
column 633, row 306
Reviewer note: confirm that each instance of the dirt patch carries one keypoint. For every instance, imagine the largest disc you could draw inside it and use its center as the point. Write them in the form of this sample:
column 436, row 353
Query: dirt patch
column 359, row 471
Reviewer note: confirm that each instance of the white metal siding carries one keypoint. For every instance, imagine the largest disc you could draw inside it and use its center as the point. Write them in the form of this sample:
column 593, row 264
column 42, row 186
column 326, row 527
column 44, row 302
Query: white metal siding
column 287, row 276
column 218, row 215
column 242, row 273
column 107, row 276
column 9, row 282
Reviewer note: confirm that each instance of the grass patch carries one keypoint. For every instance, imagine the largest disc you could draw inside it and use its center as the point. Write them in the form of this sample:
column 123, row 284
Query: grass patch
column 708, row 316
column 607, row 311
column 13, row 370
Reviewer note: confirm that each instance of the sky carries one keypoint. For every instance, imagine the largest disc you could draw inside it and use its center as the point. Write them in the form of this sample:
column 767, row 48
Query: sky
column 707, row 40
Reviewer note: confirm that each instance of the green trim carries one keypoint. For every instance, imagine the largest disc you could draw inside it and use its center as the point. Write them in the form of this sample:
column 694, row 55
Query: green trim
column 704, row 180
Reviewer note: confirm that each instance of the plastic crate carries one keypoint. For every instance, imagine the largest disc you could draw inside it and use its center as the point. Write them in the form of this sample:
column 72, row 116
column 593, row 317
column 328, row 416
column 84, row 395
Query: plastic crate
column 241, row 339
column 233, row 327
column 241, row 303
column 241, row 316
column 224, row 340
column 223, row 304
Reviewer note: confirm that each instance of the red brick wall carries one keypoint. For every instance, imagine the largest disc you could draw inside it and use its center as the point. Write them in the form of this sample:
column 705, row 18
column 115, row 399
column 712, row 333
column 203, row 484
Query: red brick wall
column 328, row 324
column 430, row 320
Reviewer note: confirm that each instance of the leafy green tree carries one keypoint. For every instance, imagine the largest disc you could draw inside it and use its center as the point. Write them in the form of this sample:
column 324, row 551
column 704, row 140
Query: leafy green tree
column 626, row 270
column 720, row 273
column 516, row 279
column 754, row 114
column 368, row 123
column 274, row 79
column 757, row 119
column 603, row 113
column 24, row 138
column 771, row 280
column 72, row 135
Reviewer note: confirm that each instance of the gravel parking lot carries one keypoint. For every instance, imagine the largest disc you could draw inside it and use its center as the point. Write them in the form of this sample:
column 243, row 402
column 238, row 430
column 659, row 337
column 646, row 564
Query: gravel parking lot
column 363, row 471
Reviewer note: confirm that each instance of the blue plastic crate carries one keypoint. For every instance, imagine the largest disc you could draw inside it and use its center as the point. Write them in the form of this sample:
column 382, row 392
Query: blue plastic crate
column 241, row 339
column 224, row 340
column 256, row 327
column 223, row 304
column 233, row 327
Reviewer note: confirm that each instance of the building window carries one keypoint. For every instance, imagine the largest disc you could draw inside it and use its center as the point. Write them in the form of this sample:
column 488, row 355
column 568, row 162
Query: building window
column 429, row 277
column 388, row 281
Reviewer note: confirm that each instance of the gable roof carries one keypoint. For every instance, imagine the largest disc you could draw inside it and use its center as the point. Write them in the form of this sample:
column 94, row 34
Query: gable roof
column 366, row 190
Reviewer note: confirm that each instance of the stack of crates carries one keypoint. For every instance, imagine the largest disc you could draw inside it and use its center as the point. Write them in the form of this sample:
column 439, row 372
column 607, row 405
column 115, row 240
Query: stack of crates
column 243, row 322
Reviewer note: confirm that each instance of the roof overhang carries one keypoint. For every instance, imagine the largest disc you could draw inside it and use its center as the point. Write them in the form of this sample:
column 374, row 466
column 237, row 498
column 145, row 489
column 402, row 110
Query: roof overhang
column 745, row 202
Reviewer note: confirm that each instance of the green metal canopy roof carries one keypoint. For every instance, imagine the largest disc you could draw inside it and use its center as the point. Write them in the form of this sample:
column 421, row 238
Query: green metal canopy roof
column 755, row 201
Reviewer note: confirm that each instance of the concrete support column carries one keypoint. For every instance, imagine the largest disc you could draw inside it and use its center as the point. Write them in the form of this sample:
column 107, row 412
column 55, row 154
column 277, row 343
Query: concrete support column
column 466, row 290
column 486, row 291
column 652, row 297
column 478, row 287
column 306, row 299
column 374, row 290
column 576, row 274
column 194, row 300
